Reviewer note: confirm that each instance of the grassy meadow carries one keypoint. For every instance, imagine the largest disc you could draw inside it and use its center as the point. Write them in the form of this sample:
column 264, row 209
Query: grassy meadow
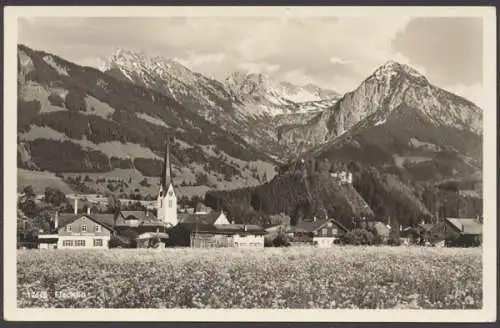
column 296, row 277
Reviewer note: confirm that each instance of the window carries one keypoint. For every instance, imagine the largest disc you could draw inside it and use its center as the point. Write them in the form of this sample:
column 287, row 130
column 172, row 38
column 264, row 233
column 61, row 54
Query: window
column 170, row 203
column 68, row 228
column 324, row 231
column 79, row 242
column 83, row 228
column 98, row 242
column 67, row 243
column 97, row 228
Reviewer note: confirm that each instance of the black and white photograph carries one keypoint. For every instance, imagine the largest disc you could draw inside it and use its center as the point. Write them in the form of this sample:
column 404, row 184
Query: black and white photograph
column 269, row 163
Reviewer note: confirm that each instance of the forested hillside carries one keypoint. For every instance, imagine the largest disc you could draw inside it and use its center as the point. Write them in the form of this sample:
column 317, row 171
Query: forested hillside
column 78, row 119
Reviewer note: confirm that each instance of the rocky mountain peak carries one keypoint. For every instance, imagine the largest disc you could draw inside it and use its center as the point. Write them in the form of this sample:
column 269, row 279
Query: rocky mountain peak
column 261, row 85
column 394, row 70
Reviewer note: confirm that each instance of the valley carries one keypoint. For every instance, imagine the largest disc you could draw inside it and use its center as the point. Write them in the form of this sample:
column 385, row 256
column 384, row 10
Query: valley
column 249, row 138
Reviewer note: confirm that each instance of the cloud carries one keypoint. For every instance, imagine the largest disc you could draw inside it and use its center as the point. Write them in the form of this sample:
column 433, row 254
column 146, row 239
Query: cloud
column 298, row 77
column 194, row 60
column 339, row 61
column 326, row 51
column 263, row 68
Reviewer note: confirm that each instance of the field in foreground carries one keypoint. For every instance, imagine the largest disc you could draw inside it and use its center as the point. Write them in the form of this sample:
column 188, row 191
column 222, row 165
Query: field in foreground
column 341, row 277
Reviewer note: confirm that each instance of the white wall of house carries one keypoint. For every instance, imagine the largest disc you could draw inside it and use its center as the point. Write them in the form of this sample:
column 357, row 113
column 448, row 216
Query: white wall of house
column 80, row 242
column 324, row 241
column 248, row 241
column 43, row 245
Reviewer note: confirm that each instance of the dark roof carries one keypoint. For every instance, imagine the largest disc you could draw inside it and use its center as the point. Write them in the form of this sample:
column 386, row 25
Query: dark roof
column 222, row 228
column 47, row 240
column 209, row 218
column 271, row 226
column 466, row 226
column 427, row 227
column 105, row 220
column 140, row 228
column 240, row 228
column 311, row 226
column 139, row 215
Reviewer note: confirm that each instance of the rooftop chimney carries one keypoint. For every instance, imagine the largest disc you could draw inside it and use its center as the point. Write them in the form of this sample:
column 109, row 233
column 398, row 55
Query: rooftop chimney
column 88, row 210
column 76, row 205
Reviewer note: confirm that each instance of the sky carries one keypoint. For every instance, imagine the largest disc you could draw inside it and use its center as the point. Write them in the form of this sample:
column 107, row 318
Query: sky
column 337, row 53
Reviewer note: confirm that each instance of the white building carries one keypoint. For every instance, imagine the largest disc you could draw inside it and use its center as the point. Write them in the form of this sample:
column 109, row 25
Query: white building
column 167, row 199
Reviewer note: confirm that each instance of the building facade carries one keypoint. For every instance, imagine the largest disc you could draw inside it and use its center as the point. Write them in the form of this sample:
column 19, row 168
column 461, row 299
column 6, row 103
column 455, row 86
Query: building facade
column 321, row 233
column 83, row 231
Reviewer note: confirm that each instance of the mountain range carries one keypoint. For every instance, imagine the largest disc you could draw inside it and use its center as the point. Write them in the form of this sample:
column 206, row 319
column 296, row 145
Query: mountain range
column 396, row 129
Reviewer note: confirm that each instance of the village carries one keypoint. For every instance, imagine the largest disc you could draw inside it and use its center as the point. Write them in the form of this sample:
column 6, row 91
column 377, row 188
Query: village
column 163, row 223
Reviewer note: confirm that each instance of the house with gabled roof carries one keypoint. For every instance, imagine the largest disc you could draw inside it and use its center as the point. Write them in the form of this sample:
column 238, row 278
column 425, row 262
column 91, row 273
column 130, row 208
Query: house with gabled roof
column 77, row 231
column 214, row 230
column 212, row 218
column 465, row 232
column 318, row 232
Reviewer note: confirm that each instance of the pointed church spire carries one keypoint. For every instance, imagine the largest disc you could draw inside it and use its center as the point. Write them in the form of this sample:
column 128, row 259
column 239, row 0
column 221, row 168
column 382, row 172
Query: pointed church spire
column 166, row 178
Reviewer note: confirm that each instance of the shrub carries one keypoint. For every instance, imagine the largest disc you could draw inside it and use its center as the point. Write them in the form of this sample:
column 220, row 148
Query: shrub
column 358, row 237
column 394, row 241
column 281, row 240
column 75, row 101
column 56, row 100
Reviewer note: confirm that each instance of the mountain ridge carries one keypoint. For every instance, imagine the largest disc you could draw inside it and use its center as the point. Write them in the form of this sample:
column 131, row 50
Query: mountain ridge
column 101, row 124
column 391, row 126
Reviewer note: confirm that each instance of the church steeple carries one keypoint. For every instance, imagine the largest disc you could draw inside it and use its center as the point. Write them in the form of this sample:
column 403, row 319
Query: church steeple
column 166, row 177
column 167, row 200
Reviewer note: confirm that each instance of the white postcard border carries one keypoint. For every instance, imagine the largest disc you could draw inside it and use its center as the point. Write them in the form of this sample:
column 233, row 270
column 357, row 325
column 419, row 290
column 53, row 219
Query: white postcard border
column 11, row 312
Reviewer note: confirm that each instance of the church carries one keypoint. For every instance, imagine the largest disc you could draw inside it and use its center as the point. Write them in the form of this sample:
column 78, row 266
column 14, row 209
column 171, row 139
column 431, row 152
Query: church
column 129, row 229
column 167, row 200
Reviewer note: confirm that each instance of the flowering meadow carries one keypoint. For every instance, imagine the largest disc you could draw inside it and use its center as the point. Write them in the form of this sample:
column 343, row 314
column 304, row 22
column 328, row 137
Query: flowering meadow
column 295, row 277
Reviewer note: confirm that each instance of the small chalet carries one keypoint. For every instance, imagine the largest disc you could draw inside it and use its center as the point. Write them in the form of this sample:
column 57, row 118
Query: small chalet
column 463, row 232
column 214, row 230
column 322, row 233
column 422, row 234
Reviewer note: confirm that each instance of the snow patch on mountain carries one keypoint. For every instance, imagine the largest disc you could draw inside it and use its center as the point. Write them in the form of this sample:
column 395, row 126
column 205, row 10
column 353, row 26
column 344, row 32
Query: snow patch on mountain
column 380, row 122
column 151, row 119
